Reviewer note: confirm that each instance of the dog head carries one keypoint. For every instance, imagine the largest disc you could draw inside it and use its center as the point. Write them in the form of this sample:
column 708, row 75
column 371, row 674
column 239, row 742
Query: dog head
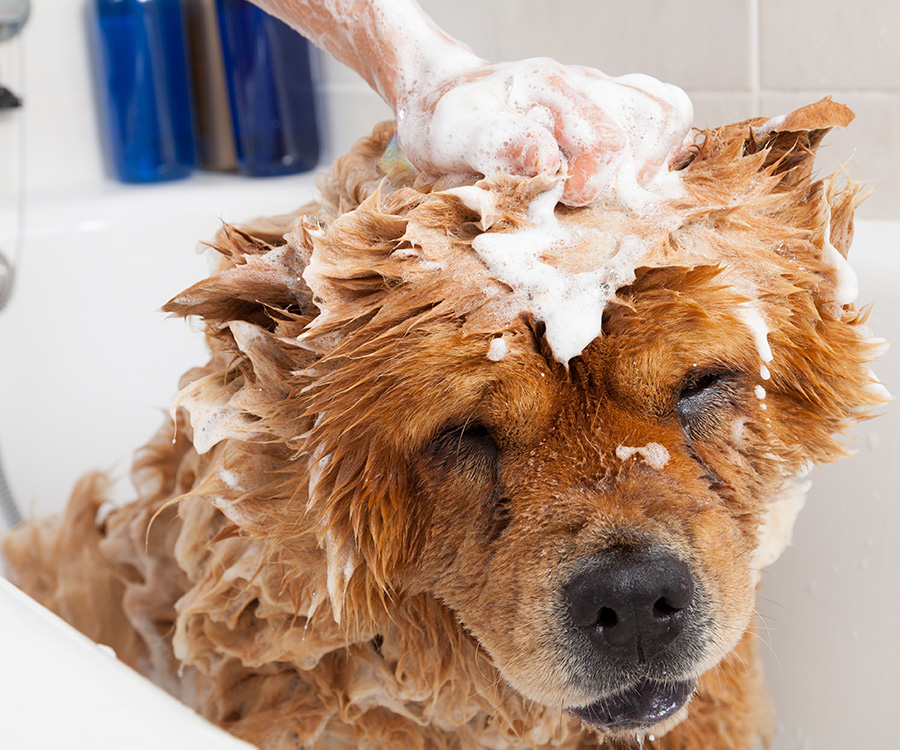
column 596, row 522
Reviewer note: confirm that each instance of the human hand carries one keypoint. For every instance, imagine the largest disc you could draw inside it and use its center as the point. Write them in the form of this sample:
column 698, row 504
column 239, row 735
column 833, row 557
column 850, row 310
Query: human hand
column 537, row 116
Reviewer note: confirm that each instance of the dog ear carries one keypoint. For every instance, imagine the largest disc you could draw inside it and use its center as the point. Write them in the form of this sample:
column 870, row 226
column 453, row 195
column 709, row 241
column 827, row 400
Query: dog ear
column 786, row 144
column 789, row 142
column 729, row 158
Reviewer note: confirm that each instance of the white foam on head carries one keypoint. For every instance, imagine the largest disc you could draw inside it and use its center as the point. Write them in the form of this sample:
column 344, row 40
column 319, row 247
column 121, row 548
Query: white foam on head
column 498, row 349
column 535, row 261
column 753, row 319
column 846, row 287
column 632, row 132
column 655, row 455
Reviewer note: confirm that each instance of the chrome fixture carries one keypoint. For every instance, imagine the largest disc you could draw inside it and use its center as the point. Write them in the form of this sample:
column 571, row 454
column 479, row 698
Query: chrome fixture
column 13, row 15
column 6, row 280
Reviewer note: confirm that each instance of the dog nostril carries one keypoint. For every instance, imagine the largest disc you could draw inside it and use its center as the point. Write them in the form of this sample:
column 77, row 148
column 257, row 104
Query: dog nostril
column 663, row 608
column 607, row 618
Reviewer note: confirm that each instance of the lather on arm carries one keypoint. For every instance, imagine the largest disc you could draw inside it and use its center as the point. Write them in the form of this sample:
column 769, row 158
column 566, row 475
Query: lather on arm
column 457, row 113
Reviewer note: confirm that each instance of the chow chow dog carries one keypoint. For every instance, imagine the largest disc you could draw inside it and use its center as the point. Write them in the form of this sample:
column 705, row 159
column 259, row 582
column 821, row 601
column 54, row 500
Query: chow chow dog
column 388, row 513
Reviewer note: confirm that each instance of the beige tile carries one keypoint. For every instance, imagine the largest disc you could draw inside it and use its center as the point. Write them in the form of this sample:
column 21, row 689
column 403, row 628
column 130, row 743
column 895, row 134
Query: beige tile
column 63, row 142
column 814, row 44
column 868, row 149
column 473, row 22
column 58, row 54
column 701, row 45
column 348, row 115
column 712, row 109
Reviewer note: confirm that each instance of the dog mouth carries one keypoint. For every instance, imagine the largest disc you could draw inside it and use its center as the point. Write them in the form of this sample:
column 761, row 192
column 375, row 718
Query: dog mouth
column 638, row 707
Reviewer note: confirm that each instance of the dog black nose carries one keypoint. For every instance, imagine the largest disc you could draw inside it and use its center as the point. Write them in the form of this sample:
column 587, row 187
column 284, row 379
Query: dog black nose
column 631, row 601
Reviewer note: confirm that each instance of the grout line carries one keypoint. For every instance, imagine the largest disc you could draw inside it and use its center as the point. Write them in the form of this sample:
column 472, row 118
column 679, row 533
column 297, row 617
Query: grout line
column 835, row 92
column 754, row 42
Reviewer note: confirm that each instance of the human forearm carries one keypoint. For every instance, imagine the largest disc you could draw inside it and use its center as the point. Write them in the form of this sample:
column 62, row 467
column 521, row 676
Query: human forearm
column 392, row 44
column 459, row 114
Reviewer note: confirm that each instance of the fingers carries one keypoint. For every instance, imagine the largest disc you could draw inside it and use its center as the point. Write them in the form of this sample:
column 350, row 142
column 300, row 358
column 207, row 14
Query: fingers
column 582, row 187
column 471, row 129
column 539, row 117
column 620, row 137
column 528, row 149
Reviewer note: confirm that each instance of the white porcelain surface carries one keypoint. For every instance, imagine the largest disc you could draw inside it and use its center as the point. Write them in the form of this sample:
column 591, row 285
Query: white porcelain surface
column 89, row 366
column 60, row 690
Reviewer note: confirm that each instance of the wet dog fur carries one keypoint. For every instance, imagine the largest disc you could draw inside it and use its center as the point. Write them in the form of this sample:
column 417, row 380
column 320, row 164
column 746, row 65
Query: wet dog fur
column 360, row 530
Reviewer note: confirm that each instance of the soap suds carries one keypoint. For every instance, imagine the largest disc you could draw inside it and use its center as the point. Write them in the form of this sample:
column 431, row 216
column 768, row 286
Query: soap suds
column 782, row 510
column 230, row 480
column 212, row 417
column 753, row 319
column 655, row 455
column 846, row 287
column 498, row 349
column 737, row 429
column 768, row 127
column 646, row 124
column 533, row 262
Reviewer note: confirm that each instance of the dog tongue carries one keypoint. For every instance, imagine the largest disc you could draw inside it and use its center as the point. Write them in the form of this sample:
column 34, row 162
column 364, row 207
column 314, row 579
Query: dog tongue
column 641, row 706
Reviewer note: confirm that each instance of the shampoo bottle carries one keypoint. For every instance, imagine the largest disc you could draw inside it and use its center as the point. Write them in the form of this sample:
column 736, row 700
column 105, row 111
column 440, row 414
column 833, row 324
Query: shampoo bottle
column 143, row 73
column 267, row 66
column 215, row 145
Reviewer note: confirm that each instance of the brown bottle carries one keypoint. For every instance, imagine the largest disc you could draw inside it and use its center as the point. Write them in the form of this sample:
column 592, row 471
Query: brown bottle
column 215, row 131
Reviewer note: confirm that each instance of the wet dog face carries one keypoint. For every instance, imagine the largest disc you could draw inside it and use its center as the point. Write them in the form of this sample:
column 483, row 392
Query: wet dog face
column 594, row 528
column 597, row 525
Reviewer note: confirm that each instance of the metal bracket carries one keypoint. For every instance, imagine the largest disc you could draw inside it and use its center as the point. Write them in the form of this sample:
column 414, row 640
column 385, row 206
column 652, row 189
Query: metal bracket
column 6, row 280
column 8, row 100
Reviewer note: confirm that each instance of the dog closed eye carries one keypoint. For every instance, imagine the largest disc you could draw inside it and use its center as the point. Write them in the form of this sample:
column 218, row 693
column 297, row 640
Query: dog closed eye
column 469, row 461
column 470, row 447
column 704, row 399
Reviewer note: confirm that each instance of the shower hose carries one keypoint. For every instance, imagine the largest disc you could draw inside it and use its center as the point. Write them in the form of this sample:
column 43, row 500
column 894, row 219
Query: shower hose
column 8, row 507
column 8, row 267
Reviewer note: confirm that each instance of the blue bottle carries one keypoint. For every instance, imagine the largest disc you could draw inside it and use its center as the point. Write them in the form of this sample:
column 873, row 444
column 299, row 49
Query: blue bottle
column 142, row 64
column 270, row 88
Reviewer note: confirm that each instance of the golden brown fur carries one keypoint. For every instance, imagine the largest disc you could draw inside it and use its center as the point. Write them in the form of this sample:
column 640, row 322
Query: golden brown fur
column 322, row 553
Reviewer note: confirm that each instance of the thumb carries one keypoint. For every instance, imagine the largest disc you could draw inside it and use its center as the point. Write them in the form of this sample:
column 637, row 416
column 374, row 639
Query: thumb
column 516, row 146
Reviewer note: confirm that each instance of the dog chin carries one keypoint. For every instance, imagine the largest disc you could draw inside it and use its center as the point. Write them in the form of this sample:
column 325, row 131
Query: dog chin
column 649, row 707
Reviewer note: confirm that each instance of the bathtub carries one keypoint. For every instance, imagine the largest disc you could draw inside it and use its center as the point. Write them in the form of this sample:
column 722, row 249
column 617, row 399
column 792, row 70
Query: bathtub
column 89, row 366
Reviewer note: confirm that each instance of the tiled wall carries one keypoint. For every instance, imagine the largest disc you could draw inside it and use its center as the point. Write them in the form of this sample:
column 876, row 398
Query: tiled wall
column 736, row 58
